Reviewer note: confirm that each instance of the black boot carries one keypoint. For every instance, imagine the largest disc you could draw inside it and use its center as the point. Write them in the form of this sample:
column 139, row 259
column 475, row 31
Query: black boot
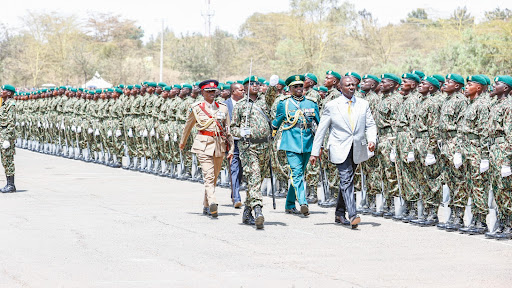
column 247, row 217
column 259, row 217
column 9, row 187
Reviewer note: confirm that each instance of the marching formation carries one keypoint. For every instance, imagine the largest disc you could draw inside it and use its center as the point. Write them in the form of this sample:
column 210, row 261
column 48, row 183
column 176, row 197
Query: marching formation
column 442, row 156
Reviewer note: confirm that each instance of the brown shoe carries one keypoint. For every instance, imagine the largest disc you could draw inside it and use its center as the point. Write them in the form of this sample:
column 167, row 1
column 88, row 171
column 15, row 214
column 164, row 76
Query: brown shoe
column 304, row 209
column 238, row 205
column 213, row 210
column 354, row 221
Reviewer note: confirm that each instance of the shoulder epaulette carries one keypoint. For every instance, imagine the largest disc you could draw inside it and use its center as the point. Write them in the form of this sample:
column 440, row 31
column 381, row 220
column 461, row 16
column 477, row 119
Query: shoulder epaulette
column 311, row 98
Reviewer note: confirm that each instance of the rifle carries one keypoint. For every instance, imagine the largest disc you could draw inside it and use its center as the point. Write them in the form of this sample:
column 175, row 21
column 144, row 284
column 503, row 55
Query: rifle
column 325, row 182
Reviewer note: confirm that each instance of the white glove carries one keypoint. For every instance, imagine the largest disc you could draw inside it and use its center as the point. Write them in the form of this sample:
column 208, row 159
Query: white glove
column 73, row 128
column 392, row 156
column 505, row 171
column 152, row 133
column 274, row 79
column 79, row 129
column 430, row 159
column 145, row 133
column 457, row 160
column 97, row 132
column 245, row 132
column 89, row 130
column 109, row 133
column 166, row 138
column 22, row 123
column 6, row 144
column 62, row 126
column 38, row 124
column 175, row 138
column 51, row 125
column 130, row 133
column 484, row 165
column 118, row 133
column 410, row 157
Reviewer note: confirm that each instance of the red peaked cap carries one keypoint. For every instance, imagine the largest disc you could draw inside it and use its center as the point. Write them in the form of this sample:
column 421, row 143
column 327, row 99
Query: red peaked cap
column 209, row 84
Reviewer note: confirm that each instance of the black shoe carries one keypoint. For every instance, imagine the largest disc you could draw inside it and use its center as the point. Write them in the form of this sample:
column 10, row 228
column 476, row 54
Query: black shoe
column 258, row 215
column 341, row 220
column 247, row 217
column 443, row 226
column 264, row 192
column 494, row 234
column 418, row 221
column 292, row 211
column 281, row 194
column 455, row 225
column 213, row 210
column 480, row 228
column 389, row 214
column 432, row 220
column 9, row 187
column 468, row 229
column 411, row 216
column 377, row 213
column 401, row 216
column 506, row 234
column 304, row 209
column 206, row 211
column 332, row 202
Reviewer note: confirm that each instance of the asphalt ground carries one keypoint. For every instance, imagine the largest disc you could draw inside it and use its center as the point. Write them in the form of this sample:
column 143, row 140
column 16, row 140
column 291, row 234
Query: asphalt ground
column 77, row 224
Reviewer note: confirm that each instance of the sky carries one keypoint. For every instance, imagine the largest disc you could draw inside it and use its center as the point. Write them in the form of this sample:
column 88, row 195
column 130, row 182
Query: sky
column 186, row 16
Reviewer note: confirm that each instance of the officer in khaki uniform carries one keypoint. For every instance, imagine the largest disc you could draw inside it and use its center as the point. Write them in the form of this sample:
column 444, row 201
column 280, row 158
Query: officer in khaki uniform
column 212, row 140
column 7, row 124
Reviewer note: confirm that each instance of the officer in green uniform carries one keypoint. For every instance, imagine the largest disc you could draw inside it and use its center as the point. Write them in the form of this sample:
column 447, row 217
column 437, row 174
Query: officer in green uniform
column 299, row 116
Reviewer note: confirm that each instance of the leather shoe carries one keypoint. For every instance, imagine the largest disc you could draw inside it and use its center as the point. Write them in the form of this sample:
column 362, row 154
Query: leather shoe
column 304, row 209
column 238, row 205
column 258, row 215
column 341, row 220
column 292, row 211
column 247, row 217
column 213, row 210
column 312, row 200
column 206, row 211
column 354, row 221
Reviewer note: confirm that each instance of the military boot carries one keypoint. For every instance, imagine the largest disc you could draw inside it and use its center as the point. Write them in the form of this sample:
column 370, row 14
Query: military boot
column 247, row 217
column 455, row 224
column 411, row 216
column 404, row 212
column 505, row 234
column 391, row 211
column 431, row 220
column 493, row 234
column 468, row 229
column 9, row 187
column 258, row 215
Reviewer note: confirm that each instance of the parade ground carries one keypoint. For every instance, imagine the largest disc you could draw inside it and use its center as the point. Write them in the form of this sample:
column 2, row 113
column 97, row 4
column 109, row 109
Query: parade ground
column 77, row 224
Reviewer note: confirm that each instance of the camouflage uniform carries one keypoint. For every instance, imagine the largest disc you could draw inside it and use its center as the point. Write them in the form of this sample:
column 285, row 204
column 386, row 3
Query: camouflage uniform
column 254, row 153
column 7, row 126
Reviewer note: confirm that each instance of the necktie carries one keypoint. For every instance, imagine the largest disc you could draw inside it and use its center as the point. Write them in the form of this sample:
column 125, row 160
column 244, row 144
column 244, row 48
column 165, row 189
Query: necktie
column 350, row 114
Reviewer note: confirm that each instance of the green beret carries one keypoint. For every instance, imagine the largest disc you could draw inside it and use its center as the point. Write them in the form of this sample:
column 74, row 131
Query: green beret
column 227, row 86
column 477, row 78
column 354, row 74
column 196, row 83
column 137, row 86
column 110, row 90
column 432, row 81
column 144, row 83
column 240, row 81
column 44, row 90
column 315, row 88
column 391, row 76
column 281, row 81
column 73, row 90
column 81, row 89
column 439, row 78
column 167, row 88
column 119, row 90
column 91, row 92
column 120, row 86
column 487, row 79
column 186, row 86
column 63, row 87
column 286, row 89
column 419, row 73
column 176, row 86
column 373, row 77
column 230, row 82
column 411, row 76
column 311, row 76
column 262, row 80
column 151, row 84
column 295, row 79
column 9, row 88
column 253, row 79
column 98, row 91
column 507, row 79
column 335, row 74
column 162, row 84
column 323, row 88
column 266, row 82
column 129, row 87
column 456, row 77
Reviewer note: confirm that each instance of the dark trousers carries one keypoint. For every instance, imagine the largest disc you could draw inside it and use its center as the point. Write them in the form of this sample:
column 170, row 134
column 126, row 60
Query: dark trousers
column 346, row 198
column 236, row 174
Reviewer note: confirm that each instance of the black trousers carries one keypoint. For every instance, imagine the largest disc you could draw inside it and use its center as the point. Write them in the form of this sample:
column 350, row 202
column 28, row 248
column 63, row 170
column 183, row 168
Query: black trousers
column 346, row 197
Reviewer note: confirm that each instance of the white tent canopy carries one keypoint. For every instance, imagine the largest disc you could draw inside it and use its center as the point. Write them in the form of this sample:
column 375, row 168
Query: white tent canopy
column 97, row 82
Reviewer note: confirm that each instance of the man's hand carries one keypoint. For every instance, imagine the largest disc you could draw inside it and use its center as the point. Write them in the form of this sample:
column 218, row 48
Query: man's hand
column 230, row 158
column 312, row 160
column 371, row 146
column 182, row 146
